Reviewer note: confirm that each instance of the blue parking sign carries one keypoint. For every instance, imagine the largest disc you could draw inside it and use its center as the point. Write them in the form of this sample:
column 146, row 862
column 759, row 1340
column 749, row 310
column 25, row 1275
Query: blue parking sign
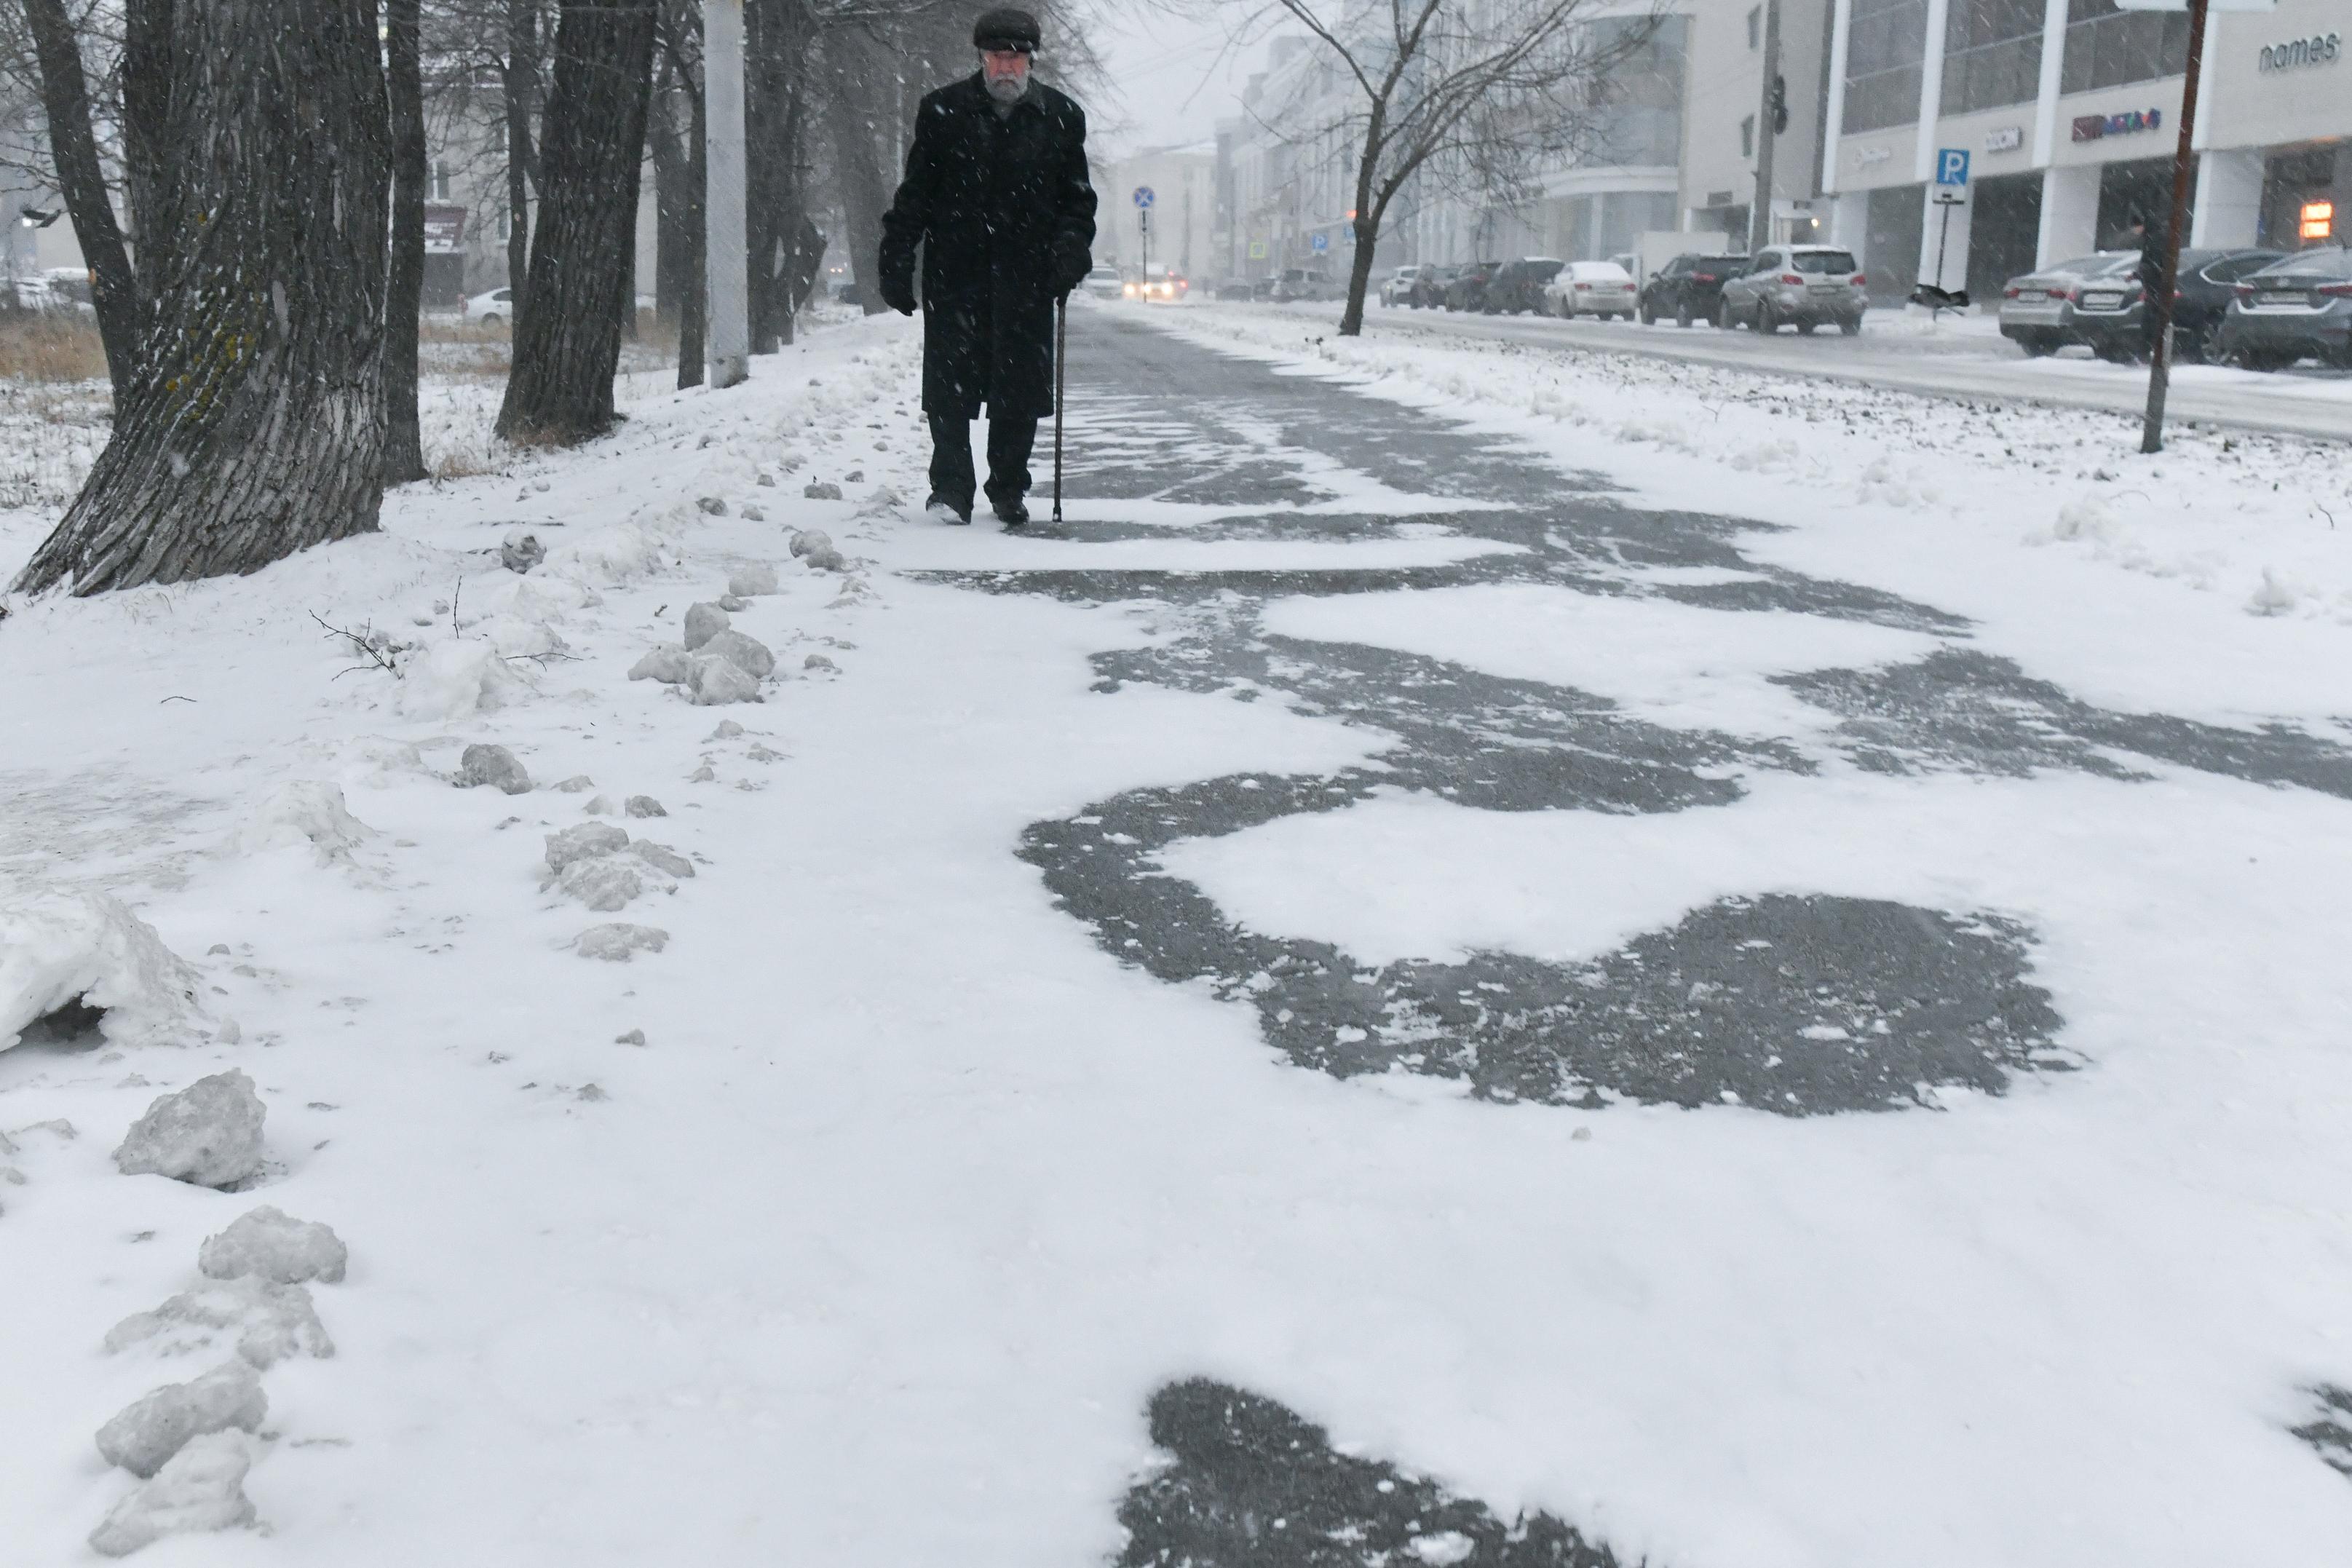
column 1951, row 165
column 1321, row 242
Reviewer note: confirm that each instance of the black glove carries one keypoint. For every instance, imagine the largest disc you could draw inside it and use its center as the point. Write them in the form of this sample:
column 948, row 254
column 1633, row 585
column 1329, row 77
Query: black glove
column 899, row 295
column 1070, row 266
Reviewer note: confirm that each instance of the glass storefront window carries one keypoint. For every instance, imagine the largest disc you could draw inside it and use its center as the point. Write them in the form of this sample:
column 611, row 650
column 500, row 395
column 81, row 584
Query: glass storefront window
column 1992, row 54
column 2108, row 47
column 1886, row 42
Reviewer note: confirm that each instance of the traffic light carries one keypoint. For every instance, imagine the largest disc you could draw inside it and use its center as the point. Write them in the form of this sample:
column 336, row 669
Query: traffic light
column 1780, row 105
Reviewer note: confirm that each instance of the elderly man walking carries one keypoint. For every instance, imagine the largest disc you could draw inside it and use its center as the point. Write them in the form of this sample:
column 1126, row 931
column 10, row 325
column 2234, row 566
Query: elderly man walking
column 996, row 195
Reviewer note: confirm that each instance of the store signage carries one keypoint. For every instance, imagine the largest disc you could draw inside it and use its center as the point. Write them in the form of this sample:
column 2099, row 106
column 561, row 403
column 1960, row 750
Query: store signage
column 445, row 231
column 2317, row 51
column 2005, row 138
column 2091, row 127
column 2318, row 219
column 1866, row 156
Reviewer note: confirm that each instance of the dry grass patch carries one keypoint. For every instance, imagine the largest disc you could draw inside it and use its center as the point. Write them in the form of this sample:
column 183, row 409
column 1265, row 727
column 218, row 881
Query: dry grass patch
column 50, row 346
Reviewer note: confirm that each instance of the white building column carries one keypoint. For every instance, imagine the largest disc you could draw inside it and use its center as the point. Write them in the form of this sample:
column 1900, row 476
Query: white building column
column 2070, row 213
column 1931, row 92
column 1943, row 240
column 2046, row 97
column 2229, row 198
column 1833, row 123
column 1850, row 220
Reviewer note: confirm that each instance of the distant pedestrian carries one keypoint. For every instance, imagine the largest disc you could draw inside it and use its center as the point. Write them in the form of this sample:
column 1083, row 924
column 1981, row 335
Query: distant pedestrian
column 996, row 192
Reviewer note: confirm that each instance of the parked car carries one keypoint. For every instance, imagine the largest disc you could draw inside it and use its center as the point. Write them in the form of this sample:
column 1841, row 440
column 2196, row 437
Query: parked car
column 492, row 309
column 1397, row 287
column 1429, row 290
column 2297, row 308
column 1236, row 288
column 2037, row 310
column 1519, row 285
column 1686, row 288
column 2111, row 312
column 1599, row 288
column 1103, row 283
column 1296, row 283
column 1466, row 289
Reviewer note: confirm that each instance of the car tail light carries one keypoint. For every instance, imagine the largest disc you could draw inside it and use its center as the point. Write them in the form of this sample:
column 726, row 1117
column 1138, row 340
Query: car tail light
column 1858, row 279
column 2335, row 291
column 2244, row 290
column 1583, row 287
column 2012, row 293
column 1703, row 277
column 2178, row 294
column 1790, row 278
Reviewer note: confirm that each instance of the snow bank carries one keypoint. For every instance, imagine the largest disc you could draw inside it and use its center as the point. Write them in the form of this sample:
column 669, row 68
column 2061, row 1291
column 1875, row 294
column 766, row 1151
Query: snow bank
column 202, row 1489
column 304, row 811
column 87, row 948
column 456, row 679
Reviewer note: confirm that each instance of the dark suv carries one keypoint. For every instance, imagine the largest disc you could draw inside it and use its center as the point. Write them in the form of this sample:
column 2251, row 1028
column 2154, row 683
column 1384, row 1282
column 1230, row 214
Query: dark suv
column 1688, row 287
column 2110, row 313
column 1466, row 289
column 1519, row 285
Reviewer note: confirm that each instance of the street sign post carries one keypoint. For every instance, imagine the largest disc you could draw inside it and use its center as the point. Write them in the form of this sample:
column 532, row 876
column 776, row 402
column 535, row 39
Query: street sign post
column 1143, row 196
column 1952, row 166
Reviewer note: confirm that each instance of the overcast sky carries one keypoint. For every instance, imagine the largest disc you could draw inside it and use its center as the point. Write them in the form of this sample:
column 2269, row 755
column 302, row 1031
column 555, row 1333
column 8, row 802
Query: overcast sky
column 1169, row 82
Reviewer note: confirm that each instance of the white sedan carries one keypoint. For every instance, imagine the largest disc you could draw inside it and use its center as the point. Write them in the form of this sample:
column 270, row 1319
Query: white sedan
column 493, row 309
column 1599, row 288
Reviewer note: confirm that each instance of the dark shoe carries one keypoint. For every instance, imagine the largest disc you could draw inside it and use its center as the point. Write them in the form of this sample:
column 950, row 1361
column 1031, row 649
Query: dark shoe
column 1013, row 513
column 939, row 508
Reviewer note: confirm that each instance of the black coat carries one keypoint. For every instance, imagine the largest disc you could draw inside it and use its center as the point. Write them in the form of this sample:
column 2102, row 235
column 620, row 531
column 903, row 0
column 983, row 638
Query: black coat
column 1005, row 214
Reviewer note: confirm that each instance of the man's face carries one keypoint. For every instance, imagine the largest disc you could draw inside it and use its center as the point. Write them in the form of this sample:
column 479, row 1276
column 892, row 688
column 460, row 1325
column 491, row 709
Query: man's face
column 1006, row 72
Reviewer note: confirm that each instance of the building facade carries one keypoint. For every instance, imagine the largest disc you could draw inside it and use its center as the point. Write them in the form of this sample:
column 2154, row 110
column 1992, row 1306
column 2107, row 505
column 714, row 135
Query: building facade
column 1182, row 219
column 2067, row 112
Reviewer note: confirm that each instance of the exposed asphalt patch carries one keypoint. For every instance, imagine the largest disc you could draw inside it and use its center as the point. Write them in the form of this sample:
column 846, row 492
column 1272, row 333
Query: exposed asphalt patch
column 1252, row 1485
column 1963, row 710
column 2330, row 1432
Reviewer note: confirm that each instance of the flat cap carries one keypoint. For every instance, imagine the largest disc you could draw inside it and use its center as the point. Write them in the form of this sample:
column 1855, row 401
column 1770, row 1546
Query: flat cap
column 1005, row 28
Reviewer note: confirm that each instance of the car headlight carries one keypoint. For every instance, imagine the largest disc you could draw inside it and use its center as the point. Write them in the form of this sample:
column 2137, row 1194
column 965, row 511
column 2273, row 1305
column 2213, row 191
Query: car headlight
column 1129, row 289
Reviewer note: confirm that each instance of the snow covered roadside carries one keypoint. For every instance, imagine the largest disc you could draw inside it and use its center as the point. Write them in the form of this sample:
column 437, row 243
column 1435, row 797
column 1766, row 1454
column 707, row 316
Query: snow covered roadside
column 858, row 1224
column 2238, row 547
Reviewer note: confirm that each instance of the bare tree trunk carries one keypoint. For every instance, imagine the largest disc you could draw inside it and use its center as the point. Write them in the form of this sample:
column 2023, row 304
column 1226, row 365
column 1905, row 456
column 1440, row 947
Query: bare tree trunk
column 776, row 39
column 567, row 339
column 253, row 424
column 664, row 143
column 64, row 100
column 149, row 159
column 404, row 445
column 518, row 88
column 856, row 168
column 693, row 306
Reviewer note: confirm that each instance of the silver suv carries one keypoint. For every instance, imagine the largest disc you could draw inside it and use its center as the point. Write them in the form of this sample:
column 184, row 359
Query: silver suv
column 1805, row 285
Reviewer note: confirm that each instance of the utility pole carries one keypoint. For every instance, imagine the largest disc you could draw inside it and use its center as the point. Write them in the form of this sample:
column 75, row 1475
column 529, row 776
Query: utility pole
column 2160, row 289
column 727, row 246
column 1770, row 109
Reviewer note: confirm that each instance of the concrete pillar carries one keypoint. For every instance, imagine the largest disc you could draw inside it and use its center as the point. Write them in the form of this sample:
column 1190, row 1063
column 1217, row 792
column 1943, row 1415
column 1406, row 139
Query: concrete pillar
column 2070, row 213
column 2229, row 199
column 1850, row 220
column 1833, row 121
column 2045, row 98
column 1931, row 97
column 1944, row 242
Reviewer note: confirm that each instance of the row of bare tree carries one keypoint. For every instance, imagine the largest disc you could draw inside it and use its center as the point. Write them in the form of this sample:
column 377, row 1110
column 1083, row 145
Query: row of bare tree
column 260, row 306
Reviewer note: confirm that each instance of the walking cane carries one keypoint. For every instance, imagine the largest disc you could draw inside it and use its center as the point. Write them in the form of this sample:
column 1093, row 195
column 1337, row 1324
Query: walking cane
column 1061, row 342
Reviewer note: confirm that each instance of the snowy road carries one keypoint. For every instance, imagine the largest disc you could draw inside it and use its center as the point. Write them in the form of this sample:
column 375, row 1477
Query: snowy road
column 1960, row 360
column 1417, row 982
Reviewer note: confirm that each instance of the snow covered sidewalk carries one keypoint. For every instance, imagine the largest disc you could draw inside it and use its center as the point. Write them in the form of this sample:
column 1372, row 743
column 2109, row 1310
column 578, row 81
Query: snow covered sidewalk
column 1217, row 959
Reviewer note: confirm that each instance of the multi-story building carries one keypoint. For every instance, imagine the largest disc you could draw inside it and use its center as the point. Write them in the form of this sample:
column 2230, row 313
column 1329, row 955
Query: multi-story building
column 1182, row 217
column 2068, row 114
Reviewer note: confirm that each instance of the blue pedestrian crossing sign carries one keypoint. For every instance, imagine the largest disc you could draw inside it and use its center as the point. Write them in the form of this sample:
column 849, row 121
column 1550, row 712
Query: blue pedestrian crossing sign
column 1951, row 165
column 1321, row 242
column 1143, row 197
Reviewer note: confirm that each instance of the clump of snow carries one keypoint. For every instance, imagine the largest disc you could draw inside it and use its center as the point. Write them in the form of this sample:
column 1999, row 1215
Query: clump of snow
column 818, row 661
column 747, row 653
column 810, row 541
column 208, row 1134
column 272, row 1322
column 304, row 811
column 1443, row 1549
column 619, row 941
column 670, row 666
column 601, row 884
column 647, row 806
column 520, row 550
column 718, row 679
column 821, row 490
column 495, row 766
column 662, row 857
column 578, row 783
column 454, row 678
column 727, row 731
column 585, row 842
column 606, row 557
column 201, row 1489
column 752, row 582
column 711, row 506
column 271, row 1245
column 156, row 1426
column 703, row 622
column 2274, row 595
column 63, row 948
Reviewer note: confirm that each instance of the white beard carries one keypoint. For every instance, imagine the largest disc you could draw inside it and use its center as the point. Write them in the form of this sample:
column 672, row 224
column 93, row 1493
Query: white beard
column 1004, row 89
